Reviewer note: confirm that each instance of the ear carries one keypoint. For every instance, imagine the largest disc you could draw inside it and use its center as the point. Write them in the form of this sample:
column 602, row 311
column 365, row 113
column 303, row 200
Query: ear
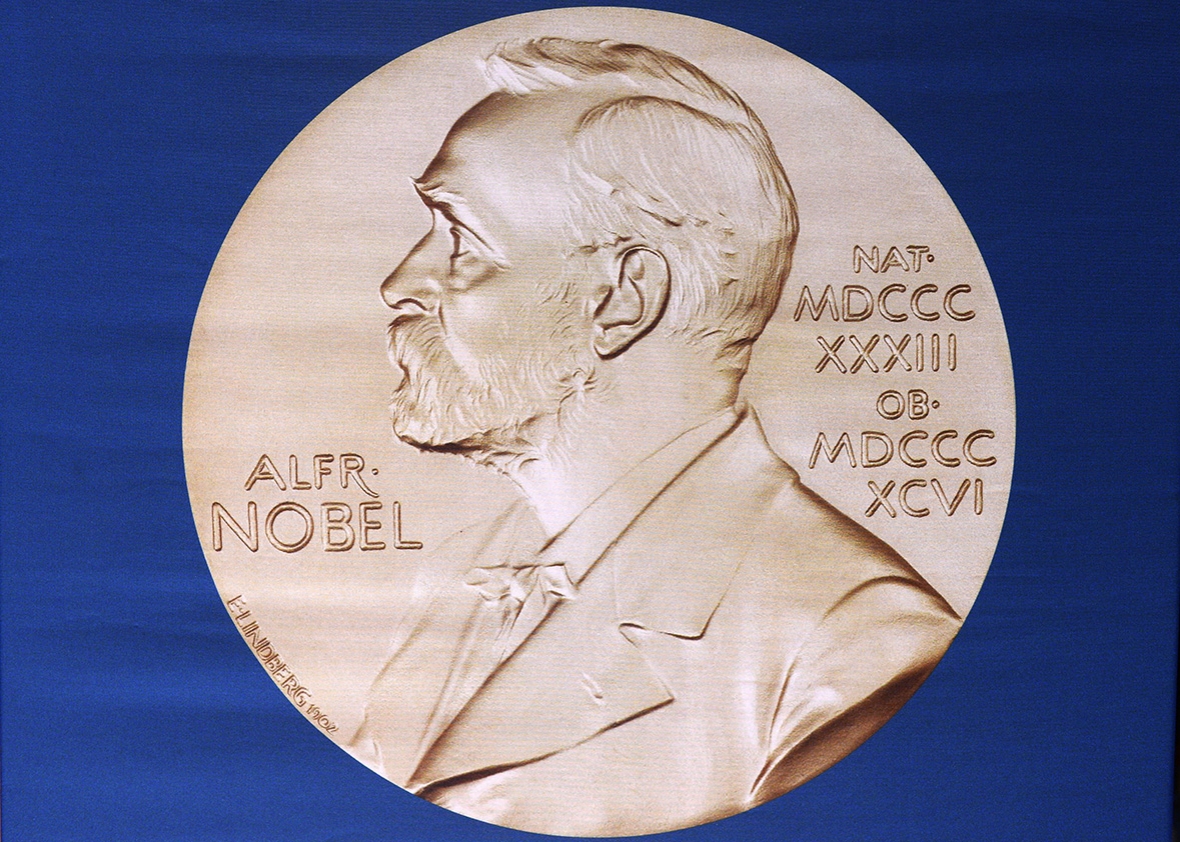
column 633, row 303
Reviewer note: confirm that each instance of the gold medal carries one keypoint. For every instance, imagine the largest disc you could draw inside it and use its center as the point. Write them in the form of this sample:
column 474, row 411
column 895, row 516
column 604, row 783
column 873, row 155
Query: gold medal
column 599, row 421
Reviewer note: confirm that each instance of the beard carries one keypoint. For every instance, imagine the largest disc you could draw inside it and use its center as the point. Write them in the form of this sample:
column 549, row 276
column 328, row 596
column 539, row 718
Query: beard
column 509, row 406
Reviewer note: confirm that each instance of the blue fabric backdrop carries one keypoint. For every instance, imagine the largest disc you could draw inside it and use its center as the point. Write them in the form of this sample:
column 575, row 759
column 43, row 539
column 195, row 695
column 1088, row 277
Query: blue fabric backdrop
column 133, row 132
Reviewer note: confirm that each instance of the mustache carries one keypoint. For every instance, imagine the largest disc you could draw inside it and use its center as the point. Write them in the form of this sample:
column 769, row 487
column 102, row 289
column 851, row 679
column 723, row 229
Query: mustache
column 411, row 336
column 418, row 351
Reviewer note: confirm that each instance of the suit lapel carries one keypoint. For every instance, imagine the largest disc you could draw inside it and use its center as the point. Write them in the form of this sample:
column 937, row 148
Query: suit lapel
column 404, row 699
column 401, row 718
column 580, row 672
column 676, row 563
column 576, row 676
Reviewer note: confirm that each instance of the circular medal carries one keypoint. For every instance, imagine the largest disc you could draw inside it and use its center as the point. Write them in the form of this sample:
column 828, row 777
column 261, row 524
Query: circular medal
column 598, row 422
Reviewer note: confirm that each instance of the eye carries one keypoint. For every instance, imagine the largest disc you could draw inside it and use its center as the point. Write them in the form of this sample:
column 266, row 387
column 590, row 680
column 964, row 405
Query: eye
column 460, row 247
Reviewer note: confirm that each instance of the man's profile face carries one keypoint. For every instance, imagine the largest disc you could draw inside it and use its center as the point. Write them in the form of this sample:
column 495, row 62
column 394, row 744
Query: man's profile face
column 491, row 329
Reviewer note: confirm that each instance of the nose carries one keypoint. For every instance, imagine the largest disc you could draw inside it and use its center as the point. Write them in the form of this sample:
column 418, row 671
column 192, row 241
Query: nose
column 416, row 281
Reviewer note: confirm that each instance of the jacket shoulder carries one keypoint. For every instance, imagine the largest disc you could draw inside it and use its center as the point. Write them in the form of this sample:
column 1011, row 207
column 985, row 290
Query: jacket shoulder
column 811, row 548
column 862, row 630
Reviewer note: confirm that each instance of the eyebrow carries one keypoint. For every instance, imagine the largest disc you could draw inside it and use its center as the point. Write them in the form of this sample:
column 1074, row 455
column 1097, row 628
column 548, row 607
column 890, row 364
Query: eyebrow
column 456, row 209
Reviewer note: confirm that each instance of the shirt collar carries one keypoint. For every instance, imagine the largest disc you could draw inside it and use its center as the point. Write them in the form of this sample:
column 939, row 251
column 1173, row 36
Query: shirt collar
column 601, row 523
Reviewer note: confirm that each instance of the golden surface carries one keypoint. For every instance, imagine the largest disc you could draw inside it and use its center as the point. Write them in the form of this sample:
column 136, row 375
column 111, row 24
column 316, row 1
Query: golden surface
column 762, row 612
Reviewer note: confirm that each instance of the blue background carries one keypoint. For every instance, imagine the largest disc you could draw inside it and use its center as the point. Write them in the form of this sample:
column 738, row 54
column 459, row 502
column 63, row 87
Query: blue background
column 133, row 132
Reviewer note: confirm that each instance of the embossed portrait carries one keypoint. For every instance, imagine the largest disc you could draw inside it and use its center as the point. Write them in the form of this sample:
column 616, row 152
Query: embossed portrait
column 599, row 422
column 669, row 627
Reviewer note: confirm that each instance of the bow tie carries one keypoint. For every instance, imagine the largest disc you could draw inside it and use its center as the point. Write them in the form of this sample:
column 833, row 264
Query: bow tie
column 510, row 586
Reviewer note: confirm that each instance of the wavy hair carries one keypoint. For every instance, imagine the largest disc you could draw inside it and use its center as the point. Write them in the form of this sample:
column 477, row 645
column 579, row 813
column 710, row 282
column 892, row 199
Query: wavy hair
column 677, row 159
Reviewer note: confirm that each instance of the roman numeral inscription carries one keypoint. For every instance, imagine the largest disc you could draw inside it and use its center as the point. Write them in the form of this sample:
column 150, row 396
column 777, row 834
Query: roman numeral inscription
column 882, row 353
column 924, row 471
